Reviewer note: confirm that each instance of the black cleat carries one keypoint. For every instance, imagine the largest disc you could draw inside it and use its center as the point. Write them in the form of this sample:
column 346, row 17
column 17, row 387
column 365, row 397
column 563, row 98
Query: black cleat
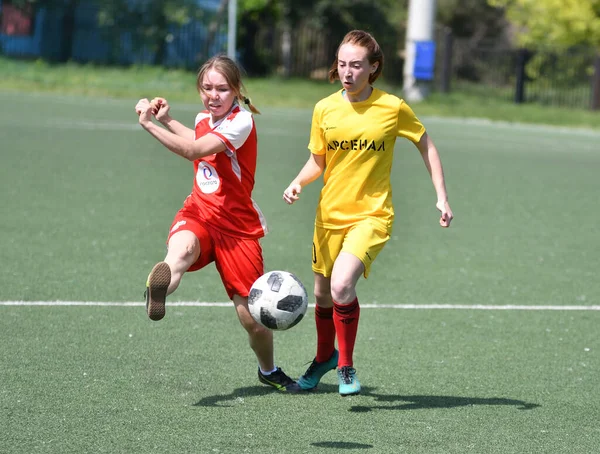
column 279, row 380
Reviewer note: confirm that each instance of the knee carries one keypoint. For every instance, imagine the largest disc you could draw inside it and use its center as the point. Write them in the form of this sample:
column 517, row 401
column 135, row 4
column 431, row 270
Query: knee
column 342, row 291
column 187, row 250
column 254, row 329
column 251, row 326
column 182, row 252
column 323, row 297
column 248, row 323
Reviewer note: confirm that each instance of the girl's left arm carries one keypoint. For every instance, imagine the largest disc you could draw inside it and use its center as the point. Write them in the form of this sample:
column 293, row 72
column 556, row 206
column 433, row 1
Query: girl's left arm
column 433, row 163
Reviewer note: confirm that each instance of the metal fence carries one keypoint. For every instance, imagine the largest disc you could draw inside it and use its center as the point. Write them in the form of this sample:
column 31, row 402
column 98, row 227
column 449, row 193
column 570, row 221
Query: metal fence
column 307, row 51
column 569, row 78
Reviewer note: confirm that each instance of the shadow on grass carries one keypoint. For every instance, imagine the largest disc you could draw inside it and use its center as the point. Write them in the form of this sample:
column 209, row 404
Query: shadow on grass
column 230, row 400
column 341, row 445
column 398, row 402
column 420, row 402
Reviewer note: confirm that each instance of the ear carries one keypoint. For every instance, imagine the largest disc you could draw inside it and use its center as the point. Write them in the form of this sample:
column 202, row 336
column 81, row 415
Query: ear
column 374, row 67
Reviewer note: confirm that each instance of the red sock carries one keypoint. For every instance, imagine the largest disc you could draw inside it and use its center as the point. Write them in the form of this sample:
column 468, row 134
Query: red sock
column 345, row 319
column 325, row 333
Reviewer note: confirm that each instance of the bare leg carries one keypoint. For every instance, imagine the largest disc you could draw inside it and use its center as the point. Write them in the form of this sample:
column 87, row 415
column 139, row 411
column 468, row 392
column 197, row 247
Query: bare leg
column 346, row 272
column 322, row 291
column 259, row 337
column 184, row 250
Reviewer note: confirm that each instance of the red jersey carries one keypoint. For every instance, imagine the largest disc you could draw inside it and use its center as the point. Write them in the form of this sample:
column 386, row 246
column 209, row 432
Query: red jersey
column 223, row 184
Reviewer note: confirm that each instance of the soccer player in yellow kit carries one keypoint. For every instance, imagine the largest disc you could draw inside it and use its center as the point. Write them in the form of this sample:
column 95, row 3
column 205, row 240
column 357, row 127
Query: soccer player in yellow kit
column 352, row 141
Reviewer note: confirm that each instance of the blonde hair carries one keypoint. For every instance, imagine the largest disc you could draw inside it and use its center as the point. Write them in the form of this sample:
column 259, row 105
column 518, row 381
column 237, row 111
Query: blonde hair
column 232, row 74
column 374, row 53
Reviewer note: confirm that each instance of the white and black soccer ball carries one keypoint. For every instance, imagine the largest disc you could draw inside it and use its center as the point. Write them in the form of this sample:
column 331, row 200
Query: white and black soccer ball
column 278, row 300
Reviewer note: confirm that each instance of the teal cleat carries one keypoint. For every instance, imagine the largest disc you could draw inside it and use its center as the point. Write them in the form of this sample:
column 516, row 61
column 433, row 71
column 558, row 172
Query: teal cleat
column 349, row 385
column 315, row 372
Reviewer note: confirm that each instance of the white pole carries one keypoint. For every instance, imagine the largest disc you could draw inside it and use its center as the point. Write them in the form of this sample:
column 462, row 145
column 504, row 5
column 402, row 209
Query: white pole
column 231, row 29
column 420, row 27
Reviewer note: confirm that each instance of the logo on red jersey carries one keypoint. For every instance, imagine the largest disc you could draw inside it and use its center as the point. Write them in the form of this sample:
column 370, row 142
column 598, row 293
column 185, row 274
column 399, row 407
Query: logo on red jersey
column 177, row 225
column 207, row 178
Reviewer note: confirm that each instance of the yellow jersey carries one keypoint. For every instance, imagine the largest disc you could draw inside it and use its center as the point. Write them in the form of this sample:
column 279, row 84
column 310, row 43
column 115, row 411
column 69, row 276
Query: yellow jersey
column 357, row 139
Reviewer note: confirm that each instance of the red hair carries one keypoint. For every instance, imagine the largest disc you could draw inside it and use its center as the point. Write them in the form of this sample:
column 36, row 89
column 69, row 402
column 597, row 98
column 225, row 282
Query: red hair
column 362, row 39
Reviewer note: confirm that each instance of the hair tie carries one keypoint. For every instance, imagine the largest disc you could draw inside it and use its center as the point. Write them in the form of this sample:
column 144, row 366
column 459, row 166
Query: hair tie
column 246, row 100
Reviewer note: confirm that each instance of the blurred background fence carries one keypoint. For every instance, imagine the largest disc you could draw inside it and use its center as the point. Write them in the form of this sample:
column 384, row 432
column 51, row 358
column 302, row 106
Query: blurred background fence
column 569, row 78
column 88, row 32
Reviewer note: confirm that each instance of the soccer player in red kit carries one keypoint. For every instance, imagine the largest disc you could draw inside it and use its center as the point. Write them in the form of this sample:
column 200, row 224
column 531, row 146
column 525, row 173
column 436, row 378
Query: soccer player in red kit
column 219, row 222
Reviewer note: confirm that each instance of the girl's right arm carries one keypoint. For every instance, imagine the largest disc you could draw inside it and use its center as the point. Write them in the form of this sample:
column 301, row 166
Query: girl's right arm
column 310, row 172
column 184, row 146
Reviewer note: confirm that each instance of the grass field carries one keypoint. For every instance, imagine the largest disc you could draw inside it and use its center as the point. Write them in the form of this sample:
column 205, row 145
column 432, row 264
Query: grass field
column 480, row 338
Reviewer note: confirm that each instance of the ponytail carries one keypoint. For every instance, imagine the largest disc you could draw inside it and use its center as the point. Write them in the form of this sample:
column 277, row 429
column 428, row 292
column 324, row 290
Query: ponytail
column 249, row 105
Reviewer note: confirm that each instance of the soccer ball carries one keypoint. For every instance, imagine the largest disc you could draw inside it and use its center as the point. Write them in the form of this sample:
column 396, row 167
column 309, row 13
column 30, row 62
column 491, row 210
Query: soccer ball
column 278, row 300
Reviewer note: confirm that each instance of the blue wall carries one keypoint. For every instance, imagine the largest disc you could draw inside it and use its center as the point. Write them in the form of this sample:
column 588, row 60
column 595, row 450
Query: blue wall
column 90, row 45
column 44, row 42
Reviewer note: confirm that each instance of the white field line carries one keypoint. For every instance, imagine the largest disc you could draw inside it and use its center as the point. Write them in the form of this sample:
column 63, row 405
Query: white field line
column 288, row 113
column 92, row 125
column 491, row 307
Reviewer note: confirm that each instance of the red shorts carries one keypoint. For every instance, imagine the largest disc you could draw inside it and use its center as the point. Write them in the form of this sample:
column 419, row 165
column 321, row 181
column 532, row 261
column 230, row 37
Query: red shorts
column 239, row 261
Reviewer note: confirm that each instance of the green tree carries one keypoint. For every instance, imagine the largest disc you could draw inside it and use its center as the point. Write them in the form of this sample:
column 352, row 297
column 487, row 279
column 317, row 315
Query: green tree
column 261, row 22
column 258, row 18
column 475, row 26
column 556, row 23
column 148, row 21
column 472, row 19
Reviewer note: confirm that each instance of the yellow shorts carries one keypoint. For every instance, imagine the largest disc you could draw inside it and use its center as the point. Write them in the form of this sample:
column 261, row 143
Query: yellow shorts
column 364, row 240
